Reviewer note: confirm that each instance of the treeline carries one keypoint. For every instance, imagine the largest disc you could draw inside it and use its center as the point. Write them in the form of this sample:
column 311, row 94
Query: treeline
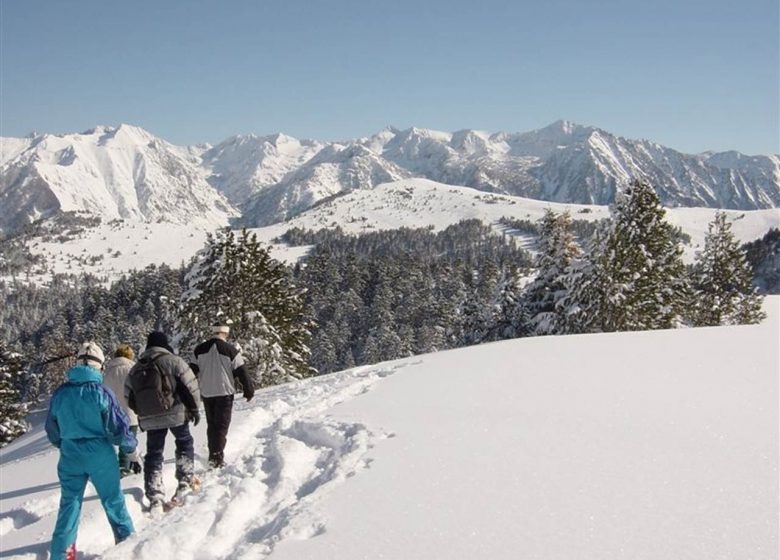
column 764, row 257
column 385, row 295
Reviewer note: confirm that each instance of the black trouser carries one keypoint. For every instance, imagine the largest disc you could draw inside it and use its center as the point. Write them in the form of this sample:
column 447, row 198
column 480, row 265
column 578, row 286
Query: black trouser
column 219, row 411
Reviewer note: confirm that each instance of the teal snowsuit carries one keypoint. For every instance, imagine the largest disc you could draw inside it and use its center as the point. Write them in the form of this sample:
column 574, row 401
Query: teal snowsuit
column 85, row 422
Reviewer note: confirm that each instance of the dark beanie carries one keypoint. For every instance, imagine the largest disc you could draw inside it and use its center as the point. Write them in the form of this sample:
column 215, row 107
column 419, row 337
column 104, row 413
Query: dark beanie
column 159, row 339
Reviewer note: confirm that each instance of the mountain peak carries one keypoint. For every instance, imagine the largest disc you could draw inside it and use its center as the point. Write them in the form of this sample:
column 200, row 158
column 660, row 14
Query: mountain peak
column 564, row 127
column 470, row 140
column 426, row 133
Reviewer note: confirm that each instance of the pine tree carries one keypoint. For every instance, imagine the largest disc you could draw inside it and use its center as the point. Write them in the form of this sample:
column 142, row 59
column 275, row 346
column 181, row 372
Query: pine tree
column 504, row 306
column 633, row 276
column 382, row 341
column 722, row 281
column 235, row 278
column 12, row 410
column 558, row 248
column 481, row 310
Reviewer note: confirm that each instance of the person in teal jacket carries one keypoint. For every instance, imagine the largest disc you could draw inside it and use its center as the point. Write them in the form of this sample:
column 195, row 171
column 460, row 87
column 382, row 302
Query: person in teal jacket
column 85, row 422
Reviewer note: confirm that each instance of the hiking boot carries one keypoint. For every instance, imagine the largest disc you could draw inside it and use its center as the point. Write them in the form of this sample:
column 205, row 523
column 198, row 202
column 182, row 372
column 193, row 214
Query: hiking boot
column 70, row 553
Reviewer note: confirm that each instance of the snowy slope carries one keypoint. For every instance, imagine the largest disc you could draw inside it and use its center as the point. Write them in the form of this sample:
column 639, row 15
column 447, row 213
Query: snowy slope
column 412, row 203
column 418, row 203
column 545, row 448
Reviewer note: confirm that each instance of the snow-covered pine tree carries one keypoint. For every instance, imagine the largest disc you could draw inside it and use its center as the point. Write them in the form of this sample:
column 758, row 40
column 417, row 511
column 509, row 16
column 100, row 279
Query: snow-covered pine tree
column 481, row 307
column 234, row 277
column 633, row 277
column 558, row 248
column 763, row 255
column 12, row 410
column 382, row 341
column 508, row 294
column 723, row 293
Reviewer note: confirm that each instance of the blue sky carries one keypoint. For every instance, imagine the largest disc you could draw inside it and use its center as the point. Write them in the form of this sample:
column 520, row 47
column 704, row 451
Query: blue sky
column 694, row 75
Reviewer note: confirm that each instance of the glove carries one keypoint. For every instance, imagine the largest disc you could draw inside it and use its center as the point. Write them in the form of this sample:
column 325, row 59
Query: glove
column 135, row 467
column 193, row 415
column 248, row 395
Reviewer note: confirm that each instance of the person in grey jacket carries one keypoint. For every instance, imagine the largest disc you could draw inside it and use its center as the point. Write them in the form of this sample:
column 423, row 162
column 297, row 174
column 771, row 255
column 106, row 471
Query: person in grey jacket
column 218, row 364
column 114, row 375
column 162, row 389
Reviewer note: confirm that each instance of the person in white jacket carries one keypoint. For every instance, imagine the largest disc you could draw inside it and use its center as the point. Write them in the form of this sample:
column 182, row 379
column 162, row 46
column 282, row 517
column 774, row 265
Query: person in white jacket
column 114, row 375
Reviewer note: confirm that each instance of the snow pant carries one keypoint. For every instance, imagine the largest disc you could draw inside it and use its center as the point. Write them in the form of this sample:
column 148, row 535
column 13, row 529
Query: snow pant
column 219, row 412
column 82, row 460
column 153, row 461
column 124, row 458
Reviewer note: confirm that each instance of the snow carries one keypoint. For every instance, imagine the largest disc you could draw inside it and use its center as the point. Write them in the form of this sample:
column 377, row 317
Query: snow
column 12, row 147
column 419, row 203
column 412, row 203
column 241, row 166
column 121, row 246
column 121, row 172
column 649, row 445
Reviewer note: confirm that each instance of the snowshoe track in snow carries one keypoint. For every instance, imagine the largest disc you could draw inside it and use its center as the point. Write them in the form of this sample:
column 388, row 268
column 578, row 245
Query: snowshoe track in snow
column 290, row 456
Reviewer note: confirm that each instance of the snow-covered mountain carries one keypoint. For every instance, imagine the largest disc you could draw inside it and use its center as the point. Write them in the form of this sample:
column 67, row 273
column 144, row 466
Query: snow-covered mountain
column 244, row 165
column 563, row 162
column 566, row 162
column 335, row 170
column 642, row 446
column 116, row 173
column 127, row 172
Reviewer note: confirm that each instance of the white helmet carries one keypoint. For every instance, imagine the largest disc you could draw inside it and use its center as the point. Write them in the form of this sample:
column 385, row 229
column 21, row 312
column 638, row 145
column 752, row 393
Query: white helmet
column 91, row 351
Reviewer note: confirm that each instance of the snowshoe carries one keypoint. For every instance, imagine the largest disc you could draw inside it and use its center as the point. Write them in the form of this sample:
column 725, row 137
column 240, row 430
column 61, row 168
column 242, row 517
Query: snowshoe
column 70, row 553
column 184, row 490
column 156, row 508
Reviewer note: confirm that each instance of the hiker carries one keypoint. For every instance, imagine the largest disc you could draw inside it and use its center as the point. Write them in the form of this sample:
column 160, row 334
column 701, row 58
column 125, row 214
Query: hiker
column 218, row 364
column 163, row 392
column 114, row 376
column 85, row 422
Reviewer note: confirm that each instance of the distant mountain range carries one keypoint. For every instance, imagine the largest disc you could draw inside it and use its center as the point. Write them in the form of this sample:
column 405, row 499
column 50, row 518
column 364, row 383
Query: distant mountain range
column 126, row 172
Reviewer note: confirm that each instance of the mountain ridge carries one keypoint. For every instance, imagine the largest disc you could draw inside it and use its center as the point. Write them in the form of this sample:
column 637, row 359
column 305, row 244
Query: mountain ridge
column 126, row 172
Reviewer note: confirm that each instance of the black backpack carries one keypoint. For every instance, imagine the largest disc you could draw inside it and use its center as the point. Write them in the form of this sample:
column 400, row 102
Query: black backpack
column 152, row 389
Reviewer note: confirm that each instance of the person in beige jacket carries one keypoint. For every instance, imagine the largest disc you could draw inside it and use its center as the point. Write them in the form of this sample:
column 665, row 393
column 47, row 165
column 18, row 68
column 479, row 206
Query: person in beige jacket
column 114, row 376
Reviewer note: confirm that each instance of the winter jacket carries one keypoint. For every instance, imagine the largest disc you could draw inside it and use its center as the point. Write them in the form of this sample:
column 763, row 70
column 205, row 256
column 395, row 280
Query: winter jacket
column 217, row 365
column 186, row 390
column 85, row 421
column 114, row 375
column 82, row 408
